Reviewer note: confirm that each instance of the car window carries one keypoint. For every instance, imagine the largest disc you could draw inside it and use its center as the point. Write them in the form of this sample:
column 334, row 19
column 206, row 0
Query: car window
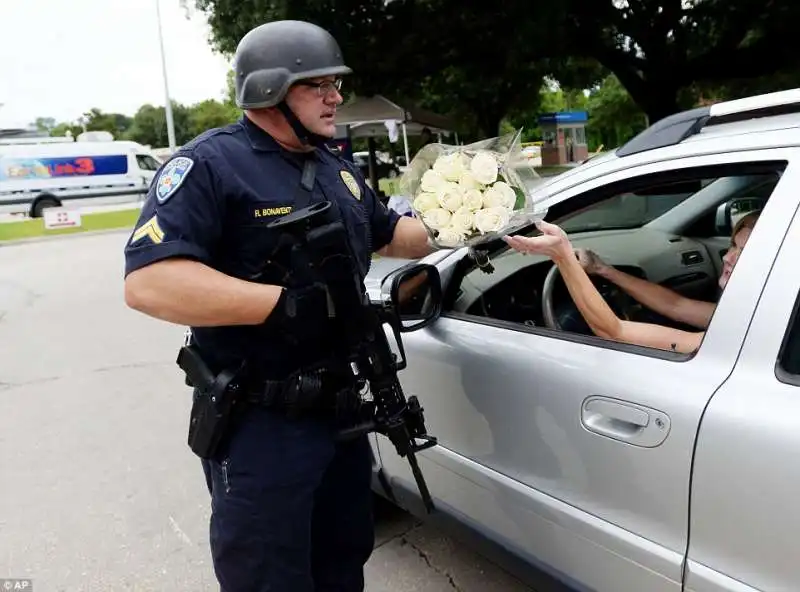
column 632, row 209
column 512, row 291
column 788, row 365
column 147, row 163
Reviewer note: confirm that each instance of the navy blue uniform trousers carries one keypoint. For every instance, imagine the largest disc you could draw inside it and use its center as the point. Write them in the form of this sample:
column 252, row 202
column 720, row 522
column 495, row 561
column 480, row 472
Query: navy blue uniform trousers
column 291, row 509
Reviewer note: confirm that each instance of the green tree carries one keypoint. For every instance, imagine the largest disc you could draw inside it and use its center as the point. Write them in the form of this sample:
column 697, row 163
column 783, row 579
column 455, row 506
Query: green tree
column 114, row 123
column 209, row 114
column 61, row 130
column 664, row 52
column 614, row 117
column 230, row 89
column 471, row 61
column 149, row 125
column 45, row 124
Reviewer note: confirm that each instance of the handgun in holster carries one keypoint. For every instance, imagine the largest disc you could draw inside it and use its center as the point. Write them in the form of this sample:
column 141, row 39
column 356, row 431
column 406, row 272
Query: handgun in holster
column 215, row 396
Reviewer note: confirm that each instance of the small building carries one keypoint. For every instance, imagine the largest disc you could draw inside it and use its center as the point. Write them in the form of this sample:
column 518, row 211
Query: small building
column 564, row 136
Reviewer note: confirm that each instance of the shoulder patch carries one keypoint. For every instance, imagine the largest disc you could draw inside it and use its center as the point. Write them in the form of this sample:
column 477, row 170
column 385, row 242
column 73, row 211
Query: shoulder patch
column 172, row 176
column 351, row 183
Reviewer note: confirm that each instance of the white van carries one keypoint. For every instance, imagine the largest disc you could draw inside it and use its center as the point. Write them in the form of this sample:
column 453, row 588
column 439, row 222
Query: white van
column 35, row 176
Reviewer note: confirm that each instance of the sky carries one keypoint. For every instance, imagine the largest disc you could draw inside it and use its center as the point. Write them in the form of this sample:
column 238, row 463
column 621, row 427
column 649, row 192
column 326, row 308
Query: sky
column 60, row 58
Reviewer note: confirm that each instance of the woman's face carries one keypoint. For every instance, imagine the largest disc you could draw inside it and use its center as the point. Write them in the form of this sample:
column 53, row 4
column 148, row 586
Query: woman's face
column 732, row 256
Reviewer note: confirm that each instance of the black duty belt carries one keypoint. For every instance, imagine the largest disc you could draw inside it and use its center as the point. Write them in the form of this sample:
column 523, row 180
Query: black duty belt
column 310, row 392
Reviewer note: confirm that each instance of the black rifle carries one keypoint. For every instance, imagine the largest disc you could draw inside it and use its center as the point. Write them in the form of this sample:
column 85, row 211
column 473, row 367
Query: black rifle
column 320, row 252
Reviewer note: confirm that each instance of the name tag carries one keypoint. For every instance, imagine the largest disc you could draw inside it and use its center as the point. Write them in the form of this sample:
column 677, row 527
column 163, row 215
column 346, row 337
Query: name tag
column 271, row 212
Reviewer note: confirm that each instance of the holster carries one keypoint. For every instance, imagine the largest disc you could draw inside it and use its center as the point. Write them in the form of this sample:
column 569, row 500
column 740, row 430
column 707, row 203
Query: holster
column 214, row 399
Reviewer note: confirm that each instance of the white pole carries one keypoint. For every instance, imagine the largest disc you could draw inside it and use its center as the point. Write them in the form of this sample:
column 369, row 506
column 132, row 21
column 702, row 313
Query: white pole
column 168, row 106
column 405, row 144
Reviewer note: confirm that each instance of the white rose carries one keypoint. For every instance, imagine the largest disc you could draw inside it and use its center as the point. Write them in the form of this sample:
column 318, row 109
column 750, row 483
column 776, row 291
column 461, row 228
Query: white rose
column 450, row 237
column 426, row 201
column 499, row 197
column 463, row 220
column 473, row 199
column 484, row 168
column 450, row 196
column 509, row 193
column 491, row 219
column 492, row 198
column 431, row 181
column 468, row 181
column 437, row 218
column 450, row 166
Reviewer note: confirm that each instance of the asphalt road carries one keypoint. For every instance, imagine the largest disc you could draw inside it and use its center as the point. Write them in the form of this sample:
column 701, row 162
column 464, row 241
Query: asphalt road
column 98, row 490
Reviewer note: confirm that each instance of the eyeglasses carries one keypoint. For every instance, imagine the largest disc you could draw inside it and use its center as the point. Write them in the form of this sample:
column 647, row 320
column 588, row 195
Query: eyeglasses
column 324, row 88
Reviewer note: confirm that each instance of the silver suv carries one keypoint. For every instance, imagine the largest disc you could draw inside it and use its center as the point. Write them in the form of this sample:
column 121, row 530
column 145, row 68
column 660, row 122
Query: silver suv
column 615, row 467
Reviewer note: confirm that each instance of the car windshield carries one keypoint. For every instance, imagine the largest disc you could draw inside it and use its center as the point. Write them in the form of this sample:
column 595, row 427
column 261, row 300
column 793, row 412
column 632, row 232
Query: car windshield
column 627, row 210
column 635, row 208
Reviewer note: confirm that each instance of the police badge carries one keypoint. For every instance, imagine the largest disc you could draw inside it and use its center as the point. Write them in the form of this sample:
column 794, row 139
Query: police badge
column 351, row 183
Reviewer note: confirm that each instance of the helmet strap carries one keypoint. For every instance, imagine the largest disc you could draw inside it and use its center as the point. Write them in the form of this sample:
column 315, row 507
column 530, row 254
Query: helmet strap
column 303, row 134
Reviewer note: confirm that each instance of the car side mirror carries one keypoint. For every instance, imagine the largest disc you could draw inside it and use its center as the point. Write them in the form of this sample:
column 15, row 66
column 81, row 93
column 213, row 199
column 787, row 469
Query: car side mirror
column 416, row 294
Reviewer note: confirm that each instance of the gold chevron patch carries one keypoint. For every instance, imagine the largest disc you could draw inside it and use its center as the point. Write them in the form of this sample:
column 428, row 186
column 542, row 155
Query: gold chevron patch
column 150, row 229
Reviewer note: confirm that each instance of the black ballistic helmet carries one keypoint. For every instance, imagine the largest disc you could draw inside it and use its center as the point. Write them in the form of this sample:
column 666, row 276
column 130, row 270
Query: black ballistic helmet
column 273, row 56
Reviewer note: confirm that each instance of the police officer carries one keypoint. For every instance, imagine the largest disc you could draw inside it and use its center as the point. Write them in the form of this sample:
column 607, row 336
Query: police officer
column 290, row 505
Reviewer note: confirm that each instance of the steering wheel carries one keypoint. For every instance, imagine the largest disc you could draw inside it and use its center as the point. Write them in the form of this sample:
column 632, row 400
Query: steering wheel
column 615, row 298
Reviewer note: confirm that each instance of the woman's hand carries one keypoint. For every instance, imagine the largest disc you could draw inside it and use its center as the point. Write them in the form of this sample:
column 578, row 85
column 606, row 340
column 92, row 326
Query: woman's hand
column 553, row 242
column 591, row 262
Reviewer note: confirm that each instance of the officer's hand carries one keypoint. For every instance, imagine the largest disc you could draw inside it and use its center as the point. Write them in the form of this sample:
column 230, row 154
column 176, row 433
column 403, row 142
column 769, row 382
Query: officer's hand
column 299, row 313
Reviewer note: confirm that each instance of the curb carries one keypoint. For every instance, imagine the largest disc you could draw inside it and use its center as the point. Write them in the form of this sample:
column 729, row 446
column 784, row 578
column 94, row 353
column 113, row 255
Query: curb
column 39, row 239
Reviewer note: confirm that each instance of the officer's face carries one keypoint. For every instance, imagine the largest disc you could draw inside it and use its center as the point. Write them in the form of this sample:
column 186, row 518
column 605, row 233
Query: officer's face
column 315, row 106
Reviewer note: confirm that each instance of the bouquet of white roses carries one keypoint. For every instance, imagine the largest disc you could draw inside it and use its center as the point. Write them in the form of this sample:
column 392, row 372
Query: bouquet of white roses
column 466, row 195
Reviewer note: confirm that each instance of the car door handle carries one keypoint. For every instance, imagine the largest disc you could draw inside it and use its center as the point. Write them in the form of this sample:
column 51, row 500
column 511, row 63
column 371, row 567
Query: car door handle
column 624, row 421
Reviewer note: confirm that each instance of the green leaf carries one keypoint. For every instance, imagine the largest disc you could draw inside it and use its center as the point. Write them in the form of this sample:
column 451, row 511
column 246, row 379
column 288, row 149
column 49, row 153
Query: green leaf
column 520, row 203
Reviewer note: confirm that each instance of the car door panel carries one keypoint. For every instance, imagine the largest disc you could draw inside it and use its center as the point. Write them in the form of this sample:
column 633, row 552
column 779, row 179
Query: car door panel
column 685, row 266
column 530, row 430
column 506, row 403
column 554, row 536
column 697, row 285
column 746, row 479
column 699, row 578
column 678, row 262
column 716, row 246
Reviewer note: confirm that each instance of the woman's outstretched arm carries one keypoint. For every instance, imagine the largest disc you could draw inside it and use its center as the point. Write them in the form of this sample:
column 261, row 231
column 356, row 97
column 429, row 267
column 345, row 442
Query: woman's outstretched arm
column 598, row 315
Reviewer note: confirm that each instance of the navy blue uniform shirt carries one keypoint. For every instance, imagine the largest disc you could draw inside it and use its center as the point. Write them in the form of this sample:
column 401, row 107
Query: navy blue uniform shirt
column 211, row 202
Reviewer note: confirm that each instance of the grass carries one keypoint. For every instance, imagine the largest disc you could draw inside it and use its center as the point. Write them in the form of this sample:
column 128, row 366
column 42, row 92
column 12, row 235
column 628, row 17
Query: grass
column 101, row 221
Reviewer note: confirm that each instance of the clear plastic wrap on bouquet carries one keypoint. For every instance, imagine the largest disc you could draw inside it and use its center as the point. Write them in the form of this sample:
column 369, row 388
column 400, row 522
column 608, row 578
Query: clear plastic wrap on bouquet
column 469, row 195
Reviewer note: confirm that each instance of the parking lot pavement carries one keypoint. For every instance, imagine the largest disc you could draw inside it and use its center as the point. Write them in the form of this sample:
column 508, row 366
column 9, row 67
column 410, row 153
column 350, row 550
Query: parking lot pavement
column 99, row 490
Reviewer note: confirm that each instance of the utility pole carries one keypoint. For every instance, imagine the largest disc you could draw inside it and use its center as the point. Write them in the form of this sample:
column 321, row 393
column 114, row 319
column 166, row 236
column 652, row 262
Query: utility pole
column 168, row 105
